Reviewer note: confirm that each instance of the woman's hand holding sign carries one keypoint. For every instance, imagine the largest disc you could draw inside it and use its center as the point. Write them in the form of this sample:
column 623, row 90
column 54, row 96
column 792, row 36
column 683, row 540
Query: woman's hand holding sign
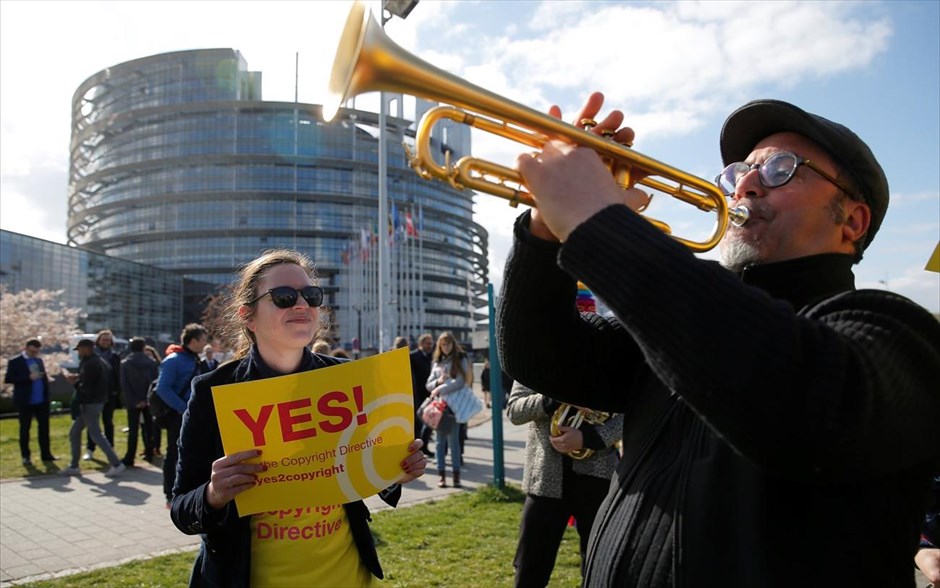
column 415, row 463
column 231, row 475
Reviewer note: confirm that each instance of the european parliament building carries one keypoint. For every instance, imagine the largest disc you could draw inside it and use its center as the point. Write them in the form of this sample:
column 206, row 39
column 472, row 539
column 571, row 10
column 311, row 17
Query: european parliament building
column 177, row 163
column 127, row 297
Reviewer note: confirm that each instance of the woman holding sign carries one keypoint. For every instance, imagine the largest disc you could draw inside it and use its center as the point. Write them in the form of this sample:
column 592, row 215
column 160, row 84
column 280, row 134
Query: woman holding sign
column 275, row 307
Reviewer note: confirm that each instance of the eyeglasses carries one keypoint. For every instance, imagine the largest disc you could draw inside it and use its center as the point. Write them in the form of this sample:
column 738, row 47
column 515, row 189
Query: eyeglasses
column 775, row 171
column 286, row 296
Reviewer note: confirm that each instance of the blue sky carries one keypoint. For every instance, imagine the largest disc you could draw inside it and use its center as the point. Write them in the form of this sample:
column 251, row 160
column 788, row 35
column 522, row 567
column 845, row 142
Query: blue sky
column 675, row 69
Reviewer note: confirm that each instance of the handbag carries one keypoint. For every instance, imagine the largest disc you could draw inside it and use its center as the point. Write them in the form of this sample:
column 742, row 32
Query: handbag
column 420, row 410
column 439, row 416
column 433, row 412
column 464, row 403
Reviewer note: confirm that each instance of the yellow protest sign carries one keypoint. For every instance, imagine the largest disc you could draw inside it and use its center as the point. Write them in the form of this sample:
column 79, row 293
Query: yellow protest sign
column 327, row 436
column 933, row 264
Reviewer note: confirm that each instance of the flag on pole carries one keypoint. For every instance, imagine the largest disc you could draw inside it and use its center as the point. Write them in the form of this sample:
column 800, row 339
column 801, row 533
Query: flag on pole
column 363, row 244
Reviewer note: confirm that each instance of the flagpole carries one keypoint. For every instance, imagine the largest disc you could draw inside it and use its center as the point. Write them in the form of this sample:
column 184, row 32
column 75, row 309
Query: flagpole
column 421, row 267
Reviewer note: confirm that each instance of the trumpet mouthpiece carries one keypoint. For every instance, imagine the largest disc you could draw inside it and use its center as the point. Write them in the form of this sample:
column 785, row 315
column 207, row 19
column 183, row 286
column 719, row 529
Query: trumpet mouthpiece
column 739, row 215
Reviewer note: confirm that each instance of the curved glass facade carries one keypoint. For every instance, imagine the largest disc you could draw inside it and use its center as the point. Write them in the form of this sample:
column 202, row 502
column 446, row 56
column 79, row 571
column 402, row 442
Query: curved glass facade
column 177, row 163
column 131, row 299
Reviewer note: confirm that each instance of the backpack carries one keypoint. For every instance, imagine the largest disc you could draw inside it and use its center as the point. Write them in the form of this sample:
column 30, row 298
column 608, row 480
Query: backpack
column 158, row 408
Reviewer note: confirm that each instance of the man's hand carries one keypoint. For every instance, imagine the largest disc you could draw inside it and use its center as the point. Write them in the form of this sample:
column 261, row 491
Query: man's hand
column 928, row 560
column 569, row 440
column 71, row 377
column 571, row 184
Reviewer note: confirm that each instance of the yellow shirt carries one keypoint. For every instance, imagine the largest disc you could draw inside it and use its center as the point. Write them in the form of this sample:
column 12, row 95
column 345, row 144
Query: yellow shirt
column 306, row 547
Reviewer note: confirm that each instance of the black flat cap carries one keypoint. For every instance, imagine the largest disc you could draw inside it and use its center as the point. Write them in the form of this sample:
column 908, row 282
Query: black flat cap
column 84, row 343
column 759, row 119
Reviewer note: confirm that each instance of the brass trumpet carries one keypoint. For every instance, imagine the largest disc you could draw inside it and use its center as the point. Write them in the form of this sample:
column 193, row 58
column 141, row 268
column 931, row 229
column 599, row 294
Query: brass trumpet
column 368, row 61
column 573, row 417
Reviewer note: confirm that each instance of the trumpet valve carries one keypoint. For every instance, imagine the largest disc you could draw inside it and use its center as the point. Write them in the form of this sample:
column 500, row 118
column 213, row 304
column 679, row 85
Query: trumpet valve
column 587, row 123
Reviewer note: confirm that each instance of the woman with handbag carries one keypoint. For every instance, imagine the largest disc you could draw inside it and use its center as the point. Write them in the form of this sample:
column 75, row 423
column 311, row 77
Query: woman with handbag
column 276, row 310
column 450, row 379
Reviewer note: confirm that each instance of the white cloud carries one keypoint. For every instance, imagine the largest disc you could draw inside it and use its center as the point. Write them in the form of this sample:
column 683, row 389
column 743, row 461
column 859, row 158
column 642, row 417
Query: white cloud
column 904, row 199
column 678, row 64
column 911, row 281
column 21, row 212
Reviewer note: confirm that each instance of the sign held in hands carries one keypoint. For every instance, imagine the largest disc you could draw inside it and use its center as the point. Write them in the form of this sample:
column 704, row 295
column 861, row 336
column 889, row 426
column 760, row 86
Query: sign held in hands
column 328, row 436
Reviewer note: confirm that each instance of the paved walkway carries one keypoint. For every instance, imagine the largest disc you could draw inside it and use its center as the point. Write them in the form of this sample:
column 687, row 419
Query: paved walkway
column 53, row 526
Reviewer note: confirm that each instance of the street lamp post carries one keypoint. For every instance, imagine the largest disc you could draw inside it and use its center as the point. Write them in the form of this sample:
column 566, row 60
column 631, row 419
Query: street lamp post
column 401, row 9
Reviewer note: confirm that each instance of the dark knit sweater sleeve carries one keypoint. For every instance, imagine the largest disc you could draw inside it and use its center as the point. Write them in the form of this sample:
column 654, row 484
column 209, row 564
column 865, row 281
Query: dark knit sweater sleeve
column 546, row 344
column 848, row 388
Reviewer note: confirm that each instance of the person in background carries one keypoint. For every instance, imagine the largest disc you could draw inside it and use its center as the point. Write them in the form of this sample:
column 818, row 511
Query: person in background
column 420, row 360
column 276, row 309
column 92, row 386
column 322, row 347
column 104, row 347
column 208, row 362
column 450, row 380
column 152, row 353
column 138, row 371
column 155, row 429
column 400, row 342
column 557, row 485
column 173, row 386
column 485, row 381
column 780, row 426
column 27, row 373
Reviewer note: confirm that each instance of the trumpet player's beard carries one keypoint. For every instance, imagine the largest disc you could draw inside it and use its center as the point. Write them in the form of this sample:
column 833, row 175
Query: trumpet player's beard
column 740, row 246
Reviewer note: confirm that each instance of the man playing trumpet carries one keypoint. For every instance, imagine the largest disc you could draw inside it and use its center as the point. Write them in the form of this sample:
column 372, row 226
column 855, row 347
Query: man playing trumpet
column 802, row 456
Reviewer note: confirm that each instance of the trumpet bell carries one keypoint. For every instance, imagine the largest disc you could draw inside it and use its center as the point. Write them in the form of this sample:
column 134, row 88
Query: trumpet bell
column 368, row 61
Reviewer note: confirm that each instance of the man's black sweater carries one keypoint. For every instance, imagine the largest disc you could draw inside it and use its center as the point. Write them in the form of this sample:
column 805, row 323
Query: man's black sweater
column 777, row 432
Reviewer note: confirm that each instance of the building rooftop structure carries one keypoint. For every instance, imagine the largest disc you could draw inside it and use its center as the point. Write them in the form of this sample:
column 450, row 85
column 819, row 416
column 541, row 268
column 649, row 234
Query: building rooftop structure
column 177, row 162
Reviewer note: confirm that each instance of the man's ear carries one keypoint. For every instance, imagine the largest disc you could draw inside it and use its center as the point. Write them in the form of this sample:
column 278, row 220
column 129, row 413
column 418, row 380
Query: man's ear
column 857, row 221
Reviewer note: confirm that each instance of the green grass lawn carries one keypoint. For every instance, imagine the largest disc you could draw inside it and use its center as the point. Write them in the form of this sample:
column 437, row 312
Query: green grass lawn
column 468, row 539
column 59, row 424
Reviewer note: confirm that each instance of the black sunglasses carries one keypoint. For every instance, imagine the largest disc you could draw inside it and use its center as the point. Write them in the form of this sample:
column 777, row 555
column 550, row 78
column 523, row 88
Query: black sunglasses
column 286, row 296
column 775, row 171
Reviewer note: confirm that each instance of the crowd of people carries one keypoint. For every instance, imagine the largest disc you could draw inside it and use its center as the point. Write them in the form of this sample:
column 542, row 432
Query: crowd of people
column 792, row 444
